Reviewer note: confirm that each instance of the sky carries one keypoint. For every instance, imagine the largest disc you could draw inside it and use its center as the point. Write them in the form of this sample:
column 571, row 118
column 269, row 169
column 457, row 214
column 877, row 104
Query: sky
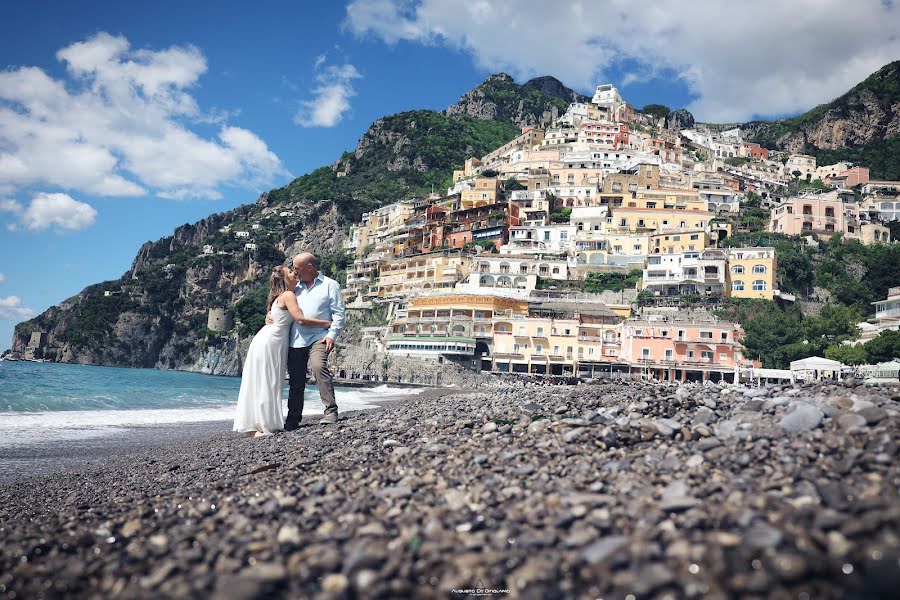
column 120, row 121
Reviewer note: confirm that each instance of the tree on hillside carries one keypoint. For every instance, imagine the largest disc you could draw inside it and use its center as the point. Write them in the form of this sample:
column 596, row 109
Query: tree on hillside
column 883, row 348
column 834, row 324
column 849, row 355
column 657, row 111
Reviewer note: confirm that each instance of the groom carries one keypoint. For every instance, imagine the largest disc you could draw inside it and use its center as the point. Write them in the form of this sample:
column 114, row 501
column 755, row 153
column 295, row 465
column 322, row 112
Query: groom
column 319, row 297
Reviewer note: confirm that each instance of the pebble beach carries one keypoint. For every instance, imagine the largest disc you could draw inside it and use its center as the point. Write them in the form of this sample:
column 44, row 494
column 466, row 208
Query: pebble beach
column 613, row 491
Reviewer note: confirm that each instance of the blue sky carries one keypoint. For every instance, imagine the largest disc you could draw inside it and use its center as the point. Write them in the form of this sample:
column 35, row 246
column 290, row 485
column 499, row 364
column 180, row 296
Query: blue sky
column 121, row 121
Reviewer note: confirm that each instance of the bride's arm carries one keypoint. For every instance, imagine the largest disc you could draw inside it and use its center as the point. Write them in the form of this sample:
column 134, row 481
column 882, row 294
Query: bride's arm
column 290, row 303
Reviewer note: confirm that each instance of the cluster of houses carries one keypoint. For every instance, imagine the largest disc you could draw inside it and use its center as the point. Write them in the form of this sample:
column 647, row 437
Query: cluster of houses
column 492, row 272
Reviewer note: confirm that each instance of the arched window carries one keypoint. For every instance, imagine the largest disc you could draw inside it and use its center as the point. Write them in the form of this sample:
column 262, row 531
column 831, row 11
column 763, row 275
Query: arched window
column 737, row 270
column 737, row 286
column 759, row 285
column 759, row 269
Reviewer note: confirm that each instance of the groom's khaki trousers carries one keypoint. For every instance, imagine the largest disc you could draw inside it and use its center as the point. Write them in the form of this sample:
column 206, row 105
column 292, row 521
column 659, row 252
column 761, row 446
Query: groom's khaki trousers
column 315, row 358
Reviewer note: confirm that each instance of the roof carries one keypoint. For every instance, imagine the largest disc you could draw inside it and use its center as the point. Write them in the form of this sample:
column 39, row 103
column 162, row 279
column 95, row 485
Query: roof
column 585, row 308
column 815, row 362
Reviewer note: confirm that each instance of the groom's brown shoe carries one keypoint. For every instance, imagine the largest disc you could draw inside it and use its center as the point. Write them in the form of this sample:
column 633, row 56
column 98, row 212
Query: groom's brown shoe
column 329, row 419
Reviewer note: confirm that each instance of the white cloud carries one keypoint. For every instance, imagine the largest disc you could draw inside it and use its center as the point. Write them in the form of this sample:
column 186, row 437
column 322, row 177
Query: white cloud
column 11, row 309
column 58, row 210
column 738, row 59
column 120, row 124
column 2, row 277
column 11, row 206
column 331, row 98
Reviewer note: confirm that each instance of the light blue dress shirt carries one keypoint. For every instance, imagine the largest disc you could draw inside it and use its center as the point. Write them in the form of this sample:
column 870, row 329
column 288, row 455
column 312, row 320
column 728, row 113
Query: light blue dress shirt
column 321, row 300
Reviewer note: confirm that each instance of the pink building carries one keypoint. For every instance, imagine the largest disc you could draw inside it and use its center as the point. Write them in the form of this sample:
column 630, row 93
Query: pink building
column 855, row 176
column 824, row 214
column 673, row 350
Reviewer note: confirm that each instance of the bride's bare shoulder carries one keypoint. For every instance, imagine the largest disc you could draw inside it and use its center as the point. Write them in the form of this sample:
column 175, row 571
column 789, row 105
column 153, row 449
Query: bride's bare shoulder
column 285, row 299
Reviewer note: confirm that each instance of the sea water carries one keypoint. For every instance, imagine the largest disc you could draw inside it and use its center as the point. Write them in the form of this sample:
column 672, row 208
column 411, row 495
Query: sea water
column 51, row 401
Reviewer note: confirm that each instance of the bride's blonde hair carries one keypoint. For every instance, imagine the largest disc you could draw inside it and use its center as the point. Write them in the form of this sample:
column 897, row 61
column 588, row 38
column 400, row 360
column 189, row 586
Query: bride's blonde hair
column 277, row 284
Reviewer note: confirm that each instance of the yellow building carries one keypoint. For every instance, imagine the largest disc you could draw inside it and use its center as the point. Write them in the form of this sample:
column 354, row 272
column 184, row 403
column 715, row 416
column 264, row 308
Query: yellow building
column 439, row 270
column 453, row 327
column 469, row 169
column 668, row 200
column 679, row 240
column 484, row 191
column 751, row 273
column 377, row 226
column 650, row 219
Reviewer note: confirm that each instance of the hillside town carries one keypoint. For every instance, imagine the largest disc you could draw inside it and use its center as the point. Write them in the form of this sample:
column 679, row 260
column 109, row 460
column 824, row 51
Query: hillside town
column 505, row 271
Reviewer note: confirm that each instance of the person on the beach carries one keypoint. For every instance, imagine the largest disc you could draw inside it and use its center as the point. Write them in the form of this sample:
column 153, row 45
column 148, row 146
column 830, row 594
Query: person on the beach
column 259, row 401
column 320, row 297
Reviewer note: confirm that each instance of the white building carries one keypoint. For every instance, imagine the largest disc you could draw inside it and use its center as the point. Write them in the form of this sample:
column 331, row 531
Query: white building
column 208, row 249
column 539, row 239
column 606, row 95
column 887, row 318
column 701, row 272
column 242, row 234
column 802, row 163
column 249, row 246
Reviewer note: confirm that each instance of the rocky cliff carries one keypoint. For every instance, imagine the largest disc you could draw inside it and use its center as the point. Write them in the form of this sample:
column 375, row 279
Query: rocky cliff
column 862, row 125
column 499, row 98
column 155, row 315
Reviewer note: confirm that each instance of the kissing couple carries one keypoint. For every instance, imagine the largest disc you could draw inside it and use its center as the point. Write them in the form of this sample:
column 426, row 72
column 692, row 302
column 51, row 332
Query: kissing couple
column 305, row 316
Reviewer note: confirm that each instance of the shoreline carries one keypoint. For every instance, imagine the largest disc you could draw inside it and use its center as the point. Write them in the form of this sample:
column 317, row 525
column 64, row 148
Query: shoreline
column 566, row 492
column 44, row 458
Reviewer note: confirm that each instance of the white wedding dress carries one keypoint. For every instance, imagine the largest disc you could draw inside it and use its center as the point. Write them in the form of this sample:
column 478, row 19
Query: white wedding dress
column 259, row 401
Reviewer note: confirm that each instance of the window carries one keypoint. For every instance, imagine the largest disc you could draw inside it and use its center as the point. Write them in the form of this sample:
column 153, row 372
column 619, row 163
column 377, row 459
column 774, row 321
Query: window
column 829, row 211
column 759, row 269
column 540, row 331
column 676, row 238
column 706, row 355
column 555, row 350
column 759, row 285
column 737, row 270
column 567, row 332
column 640, row 223
column 516, row 348
column 668, row 354
column 538, row 348
column 623, row 222
column 563, row 235
column 723, row 356
column 695, row 236
column 706, row 335
column 645, row 353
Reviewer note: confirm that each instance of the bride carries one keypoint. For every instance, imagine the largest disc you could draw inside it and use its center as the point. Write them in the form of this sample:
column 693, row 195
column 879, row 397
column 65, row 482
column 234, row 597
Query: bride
column 259, row 410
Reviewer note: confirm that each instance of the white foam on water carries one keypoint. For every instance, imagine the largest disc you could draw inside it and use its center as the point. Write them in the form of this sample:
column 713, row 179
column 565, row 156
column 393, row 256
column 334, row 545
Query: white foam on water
column 19, row 429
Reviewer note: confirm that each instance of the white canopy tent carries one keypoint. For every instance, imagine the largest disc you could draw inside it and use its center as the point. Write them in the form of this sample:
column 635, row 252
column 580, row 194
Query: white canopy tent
column 816, row 368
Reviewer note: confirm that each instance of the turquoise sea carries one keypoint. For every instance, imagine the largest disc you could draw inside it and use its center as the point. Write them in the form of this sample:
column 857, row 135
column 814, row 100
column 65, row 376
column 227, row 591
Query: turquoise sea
column 44, row 401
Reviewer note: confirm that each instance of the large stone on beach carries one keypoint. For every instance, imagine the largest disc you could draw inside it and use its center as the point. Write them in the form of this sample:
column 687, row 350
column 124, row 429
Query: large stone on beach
column 602, row 549
column 803, row 417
